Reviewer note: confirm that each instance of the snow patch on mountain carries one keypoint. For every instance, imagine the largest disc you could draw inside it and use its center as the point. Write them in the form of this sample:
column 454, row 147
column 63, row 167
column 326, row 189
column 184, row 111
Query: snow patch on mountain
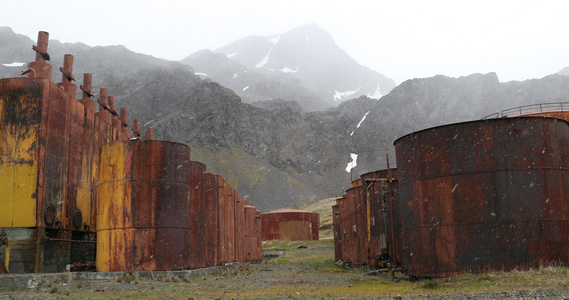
column 338, row 96
column 201, row 74
column 264, row 60
column 360, row 123
column 289, row 70
column 230, row 55
column 377, row 94
column 14, row 64
column 275, row 40
column 234, row 75
column 352, row 164
column 245, row 88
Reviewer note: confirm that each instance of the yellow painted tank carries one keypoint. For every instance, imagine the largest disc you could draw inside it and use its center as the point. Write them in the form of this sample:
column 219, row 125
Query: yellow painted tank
column 143, row 200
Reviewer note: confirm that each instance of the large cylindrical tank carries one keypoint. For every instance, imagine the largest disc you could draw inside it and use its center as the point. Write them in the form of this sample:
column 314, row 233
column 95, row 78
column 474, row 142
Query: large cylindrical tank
column 290, row 225
column 482, row 195
column 143, row 204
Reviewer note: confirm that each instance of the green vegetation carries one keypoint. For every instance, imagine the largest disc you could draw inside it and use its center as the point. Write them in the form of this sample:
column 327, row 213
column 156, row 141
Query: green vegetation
column 324, row 210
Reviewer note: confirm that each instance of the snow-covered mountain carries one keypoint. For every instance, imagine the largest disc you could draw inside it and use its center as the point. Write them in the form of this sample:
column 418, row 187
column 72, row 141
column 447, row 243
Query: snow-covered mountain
column 303, row 65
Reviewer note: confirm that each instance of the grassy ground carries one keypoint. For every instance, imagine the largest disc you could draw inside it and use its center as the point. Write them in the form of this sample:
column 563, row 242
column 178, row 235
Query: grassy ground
column 324, row 210
column 306, row 271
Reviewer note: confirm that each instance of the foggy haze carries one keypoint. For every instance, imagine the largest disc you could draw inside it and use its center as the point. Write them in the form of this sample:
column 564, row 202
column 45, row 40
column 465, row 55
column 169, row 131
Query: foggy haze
column 401, row 39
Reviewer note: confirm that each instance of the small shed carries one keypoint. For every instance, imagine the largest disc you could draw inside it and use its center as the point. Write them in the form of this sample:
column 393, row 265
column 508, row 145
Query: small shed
column 290, row 225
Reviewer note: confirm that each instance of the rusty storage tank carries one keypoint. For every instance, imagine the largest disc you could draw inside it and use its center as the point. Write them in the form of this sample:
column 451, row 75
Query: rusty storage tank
column 380, row 194
column 290, row 225
column 197, row 216
column 38, row 177
column 226, row 219
column 481, row 195
column 337, row 232
column 143, row 199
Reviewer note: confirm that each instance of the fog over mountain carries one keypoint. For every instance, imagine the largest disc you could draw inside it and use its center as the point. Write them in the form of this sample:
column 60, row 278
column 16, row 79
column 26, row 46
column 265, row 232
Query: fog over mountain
column 303, row 65
column 274, row 151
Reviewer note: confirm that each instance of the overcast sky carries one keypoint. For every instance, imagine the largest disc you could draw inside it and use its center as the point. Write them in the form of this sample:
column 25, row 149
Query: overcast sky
column 400, row 39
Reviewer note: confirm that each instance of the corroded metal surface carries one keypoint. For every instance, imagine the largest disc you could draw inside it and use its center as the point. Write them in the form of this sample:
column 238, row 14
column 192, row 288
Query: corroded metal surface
column 63, row 179
column 481, row 195
column 226, row 245
column 210, row 194
column 355, row 239
column 380, row 194
column 198, row 221
column 143, row 206
column 337, row 232
column 239, row 228
column 251, row 240
column 290, row 225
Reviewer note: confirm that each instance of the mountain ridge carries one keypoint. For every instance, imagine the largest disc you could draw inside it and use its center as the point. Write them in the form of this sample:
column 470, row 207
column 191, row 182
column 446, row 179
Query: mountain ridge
column 275, row 152
column 304, row 59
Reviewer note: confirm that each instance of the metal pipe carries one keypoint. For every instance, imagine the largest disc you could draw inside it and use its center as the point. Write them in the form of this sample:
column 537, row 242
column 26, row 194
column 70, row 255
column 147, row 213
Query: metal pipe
column 32, row 72
column 41, row 48
column 48, row 239
column 123, row 116
column 136, row 129
column 67, row 70
column 103, row 105
column 149, row 134
column 87, row 84
column 392, row 216
column 112, row 106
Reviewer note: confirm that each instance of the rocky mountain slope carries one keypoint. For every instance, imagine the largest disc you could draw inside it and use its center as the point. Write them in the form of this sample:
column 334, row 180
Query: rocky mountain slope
column 304, row 65
column 274, row 152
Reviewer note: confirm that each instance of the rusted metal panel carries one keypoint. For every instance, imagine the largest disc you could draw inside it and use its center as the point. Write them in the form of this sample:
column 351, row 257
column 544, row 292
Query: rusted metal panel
column 337, row 233
column 481, row 195
column 357, row 239
column 342, row 221
column 290, row 225
column 250, row 233
column 226, row 243
column 198, row 222
column 239, row 228
column 259, row 229
column 211, row 196
column 21, row 119
column 378, row 190
column 564, row 115
column 86, row 199
column 143, row 206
